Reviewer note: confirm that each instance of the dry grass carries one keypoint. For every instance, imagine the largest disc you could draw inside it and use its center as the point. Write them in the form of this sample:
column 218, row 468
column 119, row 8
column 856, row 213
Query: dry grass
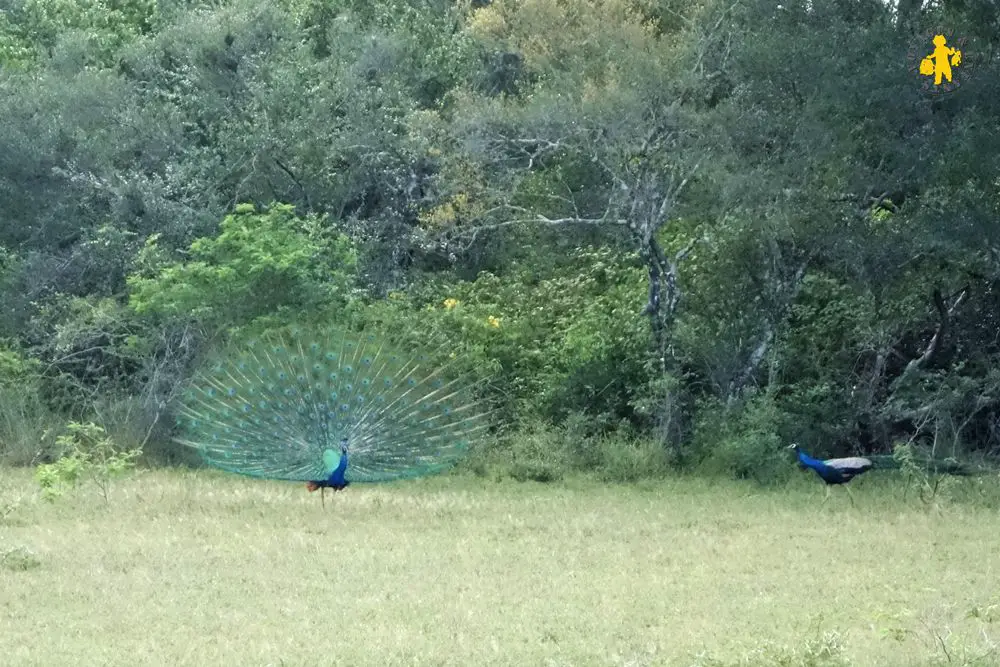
column 206, row 569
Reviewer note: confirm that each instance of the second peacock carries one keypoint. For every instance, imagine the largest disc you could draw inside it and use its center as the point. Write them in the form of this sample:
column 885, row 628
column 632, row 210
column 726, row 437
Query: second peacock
column 331, row 409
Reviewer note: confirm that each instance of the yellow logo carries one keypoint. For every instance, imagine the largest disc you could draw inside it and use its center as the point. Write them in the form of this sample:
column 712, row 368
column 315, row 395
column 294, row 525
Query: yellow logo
column 938, row 63
column 943, row 69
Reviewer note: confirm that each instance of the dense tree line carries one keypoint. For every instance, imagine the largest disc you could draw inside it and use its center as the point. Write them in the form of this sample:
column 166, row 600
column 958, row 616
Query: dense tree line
column 671, row 233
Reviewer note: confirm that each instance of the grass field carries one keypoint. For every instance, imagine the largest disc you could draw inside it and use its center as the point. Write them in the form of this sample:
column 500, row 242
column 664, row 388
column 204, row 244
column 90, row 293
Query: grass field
column 188, row 568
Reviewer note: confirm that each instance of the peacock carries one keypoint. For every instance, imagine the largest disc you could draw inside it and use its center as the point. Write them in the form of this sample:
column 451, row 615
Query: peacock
column 331, row 409
column 834, row 471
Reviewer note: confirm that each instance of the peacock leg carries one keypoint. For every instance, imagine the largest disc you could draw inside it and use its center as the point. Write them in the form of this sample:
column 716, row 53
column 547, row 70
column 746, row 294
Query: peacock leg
column 322, row 496
column 826, row 497
column 850, row 495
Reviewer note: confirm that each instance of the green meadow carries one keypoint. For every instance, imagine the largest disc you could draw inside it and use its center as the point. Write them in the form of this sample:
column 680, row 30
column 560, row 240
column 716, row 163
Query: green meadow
column 199, row 568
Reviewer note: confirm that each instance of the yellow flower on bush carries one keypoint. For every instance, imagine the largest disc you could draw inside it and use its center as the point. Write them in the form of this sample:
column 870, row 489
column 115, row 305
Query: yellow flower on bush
column 494, row 321
column 450, row 303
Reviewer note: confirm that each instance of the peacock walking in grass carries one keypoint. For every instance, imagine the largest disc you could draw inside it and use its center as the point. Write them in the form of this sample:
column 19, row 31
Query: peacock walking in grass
column 841, row 471
column 331, row 410
column 834, row 471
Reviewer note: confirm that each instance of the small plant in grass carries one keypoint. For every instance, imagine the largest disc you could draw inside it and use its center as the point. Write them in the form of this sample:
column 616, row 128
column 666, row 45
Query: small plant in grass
column 824, row 651
column 88, row 453
column 18, row 559
column 929, row 484
column 8, row 507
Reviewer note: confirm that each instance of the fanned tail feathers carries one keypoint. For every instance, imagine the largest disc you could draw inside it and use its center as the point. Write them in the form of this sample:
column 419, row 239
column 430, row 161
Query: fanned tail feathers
column 275, row 408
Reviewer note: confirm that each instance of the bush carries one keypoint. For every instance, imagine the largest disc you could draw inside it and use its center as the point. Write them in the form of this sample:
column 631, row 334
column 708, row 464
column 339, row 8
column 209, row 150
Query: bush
column 260, row 264
column 87, row 454
column 542, row 452
column 132, row 420
column 628, row 458
column 537, row 453
column 26, row 422
column 571, row 341
column 743, row 442
column 26, row 427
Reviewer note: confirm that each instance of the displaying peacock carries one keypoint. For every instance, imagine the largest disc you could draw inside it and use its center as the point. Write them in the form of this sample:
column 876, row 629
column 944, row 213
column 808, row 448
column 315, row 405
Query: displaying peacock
column 300, row 408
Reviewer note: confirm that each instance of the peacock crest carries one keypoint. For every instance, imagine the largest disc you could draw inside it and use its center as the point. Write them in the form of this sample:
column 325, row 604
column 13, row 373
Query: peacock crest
column 286, row 406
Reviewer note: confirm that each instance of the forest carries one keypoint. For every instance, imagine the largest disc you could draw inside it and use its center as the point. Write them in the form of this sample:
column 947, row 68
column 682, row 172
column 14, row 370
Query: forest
column 667, row 235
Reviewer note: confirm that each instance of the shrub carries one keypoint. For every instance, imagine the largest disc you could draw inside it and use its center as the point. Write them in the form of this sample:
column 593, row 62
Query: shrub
column 626, row 457
column 26, row 423
column 571, row 341
column 261, row 263
column 87, row 454
column 743, row 442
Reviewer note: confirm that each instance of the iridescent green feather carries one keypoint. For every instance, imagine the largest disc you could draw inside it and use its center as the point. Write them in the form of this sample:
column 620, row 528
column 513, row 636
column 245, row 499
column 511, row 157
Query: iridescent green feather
column 277, row 408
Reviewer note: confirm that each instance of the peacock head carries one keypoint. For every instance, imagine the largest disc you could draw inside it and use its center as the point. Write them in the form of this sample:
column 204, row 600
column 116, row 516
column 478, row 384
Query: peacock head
column 343, row 445
column 794, row 446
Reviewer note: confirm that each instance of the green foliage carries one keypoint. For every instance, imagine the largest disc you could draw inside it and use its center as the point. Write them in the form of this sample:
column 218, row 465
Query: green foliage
column 35, row 27
column 916, row 473
column 422, row 32
column 947, row 405
column 56, row 478
column 743, row 442
column 830, row 326
column 26, row 422
column 730, row 301
column 95, row 349
column 624, row 456
column 554, row 344
column 573, row 44
column 26, row 425
column 493, row 157
column 537, row 455
column 16, row 52
column 16, row 371
column 540, row 452
column 87, row 453
column 944, row 480
column 260, row 263
column 87, row 345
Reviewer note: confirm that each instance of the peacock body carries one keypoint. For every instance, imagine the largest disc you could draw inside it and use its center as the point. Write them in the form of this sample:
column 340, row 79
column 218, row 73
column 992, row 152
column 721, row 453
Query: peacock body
column 295, row 407
column 834, row 471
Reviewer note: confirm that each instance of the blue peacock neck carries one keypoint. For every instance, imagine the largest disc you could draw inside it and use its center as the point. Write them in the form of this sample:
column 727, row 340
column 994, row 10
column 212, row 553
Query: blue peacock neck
column 336, row 478
column 809, row 461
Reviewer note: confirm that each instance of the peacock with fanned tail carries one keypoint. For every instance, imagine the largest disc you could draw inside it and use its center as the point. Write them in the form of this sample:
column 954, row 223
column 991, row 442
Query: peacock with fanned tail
column 331, row 410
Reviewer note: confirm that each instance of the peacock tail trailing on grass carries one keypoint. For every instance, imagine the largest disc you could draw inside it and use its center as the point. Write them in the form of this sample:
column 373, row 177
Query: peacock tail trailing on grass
column 291, row 407
column 930, row 465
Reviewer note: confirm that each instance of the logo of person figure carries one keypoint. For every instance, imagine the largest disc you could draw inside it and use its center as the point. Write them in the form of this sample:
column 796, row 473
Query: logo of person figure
column 940, row 62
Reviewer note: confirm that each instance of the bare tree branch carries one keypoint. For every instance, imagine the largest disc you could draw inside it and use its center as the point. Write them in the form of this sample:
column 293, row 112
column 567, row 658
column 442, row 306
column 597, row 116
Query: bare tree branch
column 945, row 313
column 788, row 291
column 298, row 183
